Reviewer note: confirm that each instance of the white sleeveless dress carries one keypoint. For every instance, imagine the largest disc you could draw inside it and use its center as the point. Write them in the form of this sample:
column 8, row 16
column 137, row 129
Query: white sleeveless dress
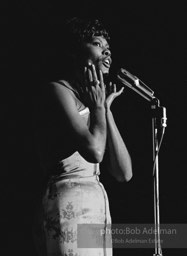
column 75, row 218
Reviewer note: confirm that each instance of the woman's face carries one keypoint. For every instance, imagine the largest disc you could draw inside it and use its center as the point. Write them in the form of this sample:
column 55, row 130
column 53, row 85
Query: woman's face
column 97, row 52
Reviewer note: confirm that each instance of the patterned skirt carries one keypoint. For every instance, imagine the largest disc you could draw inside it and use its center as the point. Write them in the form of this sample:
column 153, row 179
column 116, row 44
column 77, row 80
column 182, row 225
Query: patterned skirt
column 74, row 219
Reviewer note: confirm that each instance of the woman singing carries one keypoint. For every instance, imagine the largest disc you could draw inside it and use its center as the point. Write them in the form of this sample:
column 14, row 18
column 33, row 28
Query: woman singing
column 74, row 131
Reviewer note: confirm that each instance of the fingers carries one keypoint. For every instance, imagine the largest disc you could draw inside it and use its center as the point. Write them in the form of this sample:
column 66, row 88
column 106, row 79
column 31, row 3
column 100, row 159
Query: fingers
column 92, row 77
column 101, row 80
column 113, row 89
column 88, row 78
column 85, row 75
column 110, row 90
column 94, row 74
column 93, row 93
column 97, row 78
column 101, row 77
column 121, row 90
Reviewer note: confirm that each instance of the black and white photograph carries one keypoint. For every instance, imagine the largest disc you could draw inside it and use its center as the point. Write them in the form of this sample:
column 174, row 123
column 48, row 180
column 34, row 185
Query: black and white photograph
column 94, row 128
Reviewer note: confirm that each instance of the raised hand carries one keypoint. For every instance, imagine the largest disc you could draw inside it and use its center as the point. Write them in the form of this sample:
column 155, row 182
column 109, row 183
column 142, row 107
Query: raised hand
column 93, row 89
column 112, row 94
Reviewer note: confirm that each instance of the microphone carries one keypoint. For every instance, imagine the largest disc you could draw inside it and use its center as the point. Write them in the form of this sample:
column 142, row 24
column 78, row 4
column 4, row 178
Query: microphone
column 135, row 84
column 143, row 90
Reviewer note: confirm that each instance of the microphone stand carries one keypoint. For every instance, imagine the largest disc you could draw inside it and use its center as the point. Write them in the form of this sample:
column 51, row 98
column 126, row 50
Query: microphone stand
column 158, row 120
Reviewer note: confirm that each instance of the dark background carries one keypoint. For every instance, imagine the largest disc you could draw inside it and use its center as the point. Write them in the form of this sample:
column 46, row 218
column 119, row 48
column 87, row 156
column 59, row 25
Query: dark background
column 148, row 39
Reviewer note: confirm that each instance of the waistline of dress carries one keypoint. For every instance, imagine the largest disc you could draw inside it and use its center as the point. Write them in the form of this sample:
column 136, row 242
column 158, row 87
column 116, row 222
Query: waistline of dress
column 74, row 178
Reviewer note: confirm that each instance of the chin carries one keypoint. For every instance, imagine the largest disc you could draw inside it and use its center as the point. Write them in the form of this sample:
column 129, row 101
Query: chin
column 105, row 70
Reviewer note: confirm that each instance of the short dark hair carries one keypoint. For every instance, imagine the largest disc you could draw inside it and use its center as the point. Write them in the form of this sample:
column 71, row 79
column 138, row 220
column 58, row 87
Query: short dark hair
column 79, row 30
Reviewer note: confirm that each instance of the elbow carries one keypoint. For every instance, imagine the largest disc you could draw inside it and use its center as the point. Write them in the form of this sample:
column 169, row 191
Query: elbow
column 126, row 175
column 124, row 178
column 121, row 172
column 128, row 172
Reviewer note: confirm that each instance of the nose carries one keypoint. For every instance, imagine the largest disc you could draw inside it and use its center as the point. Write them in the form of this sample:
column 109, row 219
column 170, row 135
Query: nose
column 107, row 52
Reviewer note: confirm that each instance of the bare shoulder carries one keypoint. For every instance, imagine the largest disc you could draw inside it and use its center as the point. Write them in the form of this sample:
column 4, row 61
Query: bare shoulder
column 60, row 94
column 61, row 88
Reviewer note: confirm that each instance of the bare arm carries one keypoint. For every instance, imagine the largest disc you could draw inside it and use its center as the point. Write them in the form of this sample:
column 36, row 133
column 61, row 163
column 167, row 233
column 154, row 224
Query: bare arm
column 119, row 158
column 90, row 141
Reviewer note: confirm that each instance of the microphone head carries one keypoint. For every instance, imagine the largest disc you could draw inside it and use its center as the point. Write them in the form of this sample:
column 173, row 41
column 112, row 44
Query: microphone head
column 126, row 77
column 135, row 84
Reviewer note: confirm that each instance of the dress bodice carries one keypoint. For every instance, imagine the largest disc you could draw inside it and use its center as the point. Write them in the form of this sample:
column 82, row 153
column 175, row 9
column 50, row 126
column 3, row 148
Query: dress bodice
column 53, row 162
column 75, row 164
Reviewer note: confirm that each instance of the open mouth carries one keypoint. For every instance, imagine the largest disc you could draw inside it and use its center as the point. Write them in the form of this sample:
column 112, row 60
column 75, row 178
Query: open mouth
column 106, row 63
